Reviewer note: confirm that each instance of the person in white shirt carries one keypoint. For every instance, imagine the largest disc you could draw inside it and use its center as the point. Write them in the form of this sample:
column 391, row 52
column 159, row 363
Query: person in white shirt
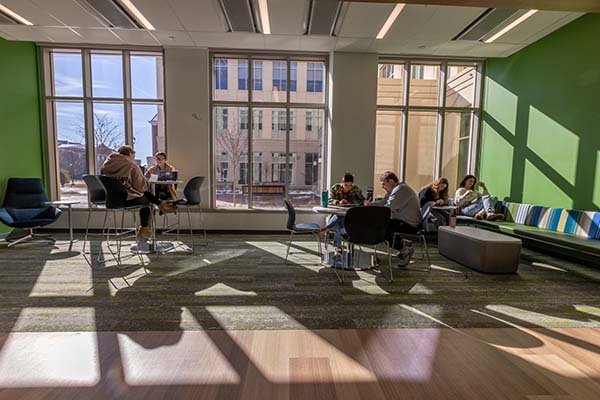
column 406, row 214
column 476, row 204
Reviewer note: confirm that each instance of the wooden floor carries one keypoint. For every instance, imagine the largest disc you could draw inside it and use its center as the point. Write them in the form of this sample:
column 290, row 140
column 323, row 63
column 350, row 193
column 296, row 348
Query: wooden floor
column 433, row 363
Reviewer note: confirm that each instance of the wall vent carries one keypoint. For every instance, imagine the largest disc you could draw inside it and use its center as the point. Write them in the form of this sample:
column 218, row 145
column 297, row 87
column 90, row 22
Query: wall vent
column 485, row 24
column 111, row 13
column 323, row 17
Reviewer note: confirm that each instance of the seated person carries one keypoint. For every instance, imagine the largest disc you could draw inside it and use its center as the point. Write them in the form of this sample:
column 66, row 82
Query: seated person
column 163, row 192
column 345, row 193
column 473, row 203
column 405, row 216
column 436, row 191
column 122, row 165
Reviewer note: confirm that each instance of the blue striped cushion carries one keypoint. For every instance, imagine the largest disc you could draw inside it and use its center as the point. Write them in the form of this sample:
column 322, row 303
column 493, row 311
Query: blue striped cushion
column 535, row 215
column 594, row 231
column 554, row 218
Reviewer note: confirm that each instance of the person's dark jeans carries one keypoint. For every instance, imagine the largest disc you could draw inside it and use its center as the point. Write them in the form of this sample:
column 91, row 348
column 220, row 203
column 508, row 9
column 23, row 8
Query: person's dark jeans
column 147, row 198
column 396, row 225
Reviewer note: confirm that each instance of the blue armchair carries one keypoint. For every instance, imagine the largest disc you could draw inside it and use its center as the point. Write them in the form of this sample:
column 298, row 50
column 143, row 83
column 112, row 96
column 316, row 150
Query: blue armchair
column 24, row 207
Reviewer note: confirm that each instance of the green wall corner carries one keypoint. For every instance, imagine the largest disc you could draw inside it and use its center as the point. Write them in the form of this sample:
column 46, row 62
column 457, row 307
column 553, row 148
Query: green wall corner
column 541, row 122
column 21, row 151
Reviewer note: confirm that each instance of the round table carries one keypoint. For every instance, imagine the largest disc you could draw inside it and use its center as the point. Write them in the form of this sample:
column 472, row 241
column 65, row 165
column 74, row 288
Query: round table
column 355, row 259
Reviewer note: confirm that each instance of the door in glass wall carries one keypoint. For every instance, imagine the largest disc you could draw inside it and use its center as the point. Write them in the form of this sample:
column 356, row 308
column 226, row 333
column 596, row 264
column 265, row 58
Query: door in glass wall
column 306, row 146
column 231, row 152
column 420, row 148
column 71, row 150
column 387, row 146
column 269, row 171
column 424, row 85
column 455, row 147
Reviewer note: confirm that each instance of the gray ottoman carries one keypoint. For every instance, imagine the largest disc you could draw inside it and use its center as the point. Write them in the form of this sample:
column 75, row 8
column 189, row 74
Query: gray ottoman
column 481, row 250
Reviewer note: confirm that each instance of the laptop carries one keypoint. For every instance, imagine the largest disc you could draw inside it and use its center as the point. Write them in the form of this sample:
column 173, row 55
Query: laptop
column 164, row 176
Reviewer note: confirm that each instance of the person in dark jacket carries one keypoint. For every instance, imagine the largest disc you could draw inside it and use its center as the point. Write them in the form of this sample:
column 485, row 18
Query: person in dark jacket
column 436, row 191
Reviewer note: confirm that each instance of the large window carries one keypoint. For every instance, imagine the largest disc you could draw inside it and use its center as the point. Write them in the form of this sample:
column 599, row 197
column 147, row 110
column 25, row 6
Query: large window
column 427, row 119
column 285, row 135
column 97, row 100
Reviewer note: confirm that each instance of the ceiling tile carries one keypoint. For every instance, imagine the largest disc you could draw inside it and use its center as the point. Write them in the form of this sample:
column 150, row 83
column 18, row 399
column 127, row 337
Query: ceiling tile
column 69, row 12
column 404, row 47
column 282, row 42
column 457, row 48
column 31, row 12
column 240, row 40
column 23, row 32
column 538, row 22
column 160, row 14
column 352, row 44
column 174, row 38
column 317, row 43
column 287, row 17
column 59, row 34
column 199, row 15
column 364, row 20
column 99, row 36
column 136, row 37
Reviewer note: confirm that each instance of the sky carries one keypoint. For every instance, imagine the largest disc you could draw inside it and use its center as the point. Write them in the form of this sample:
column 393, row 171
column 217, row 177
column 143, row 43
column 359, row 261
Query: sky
column 107, row 81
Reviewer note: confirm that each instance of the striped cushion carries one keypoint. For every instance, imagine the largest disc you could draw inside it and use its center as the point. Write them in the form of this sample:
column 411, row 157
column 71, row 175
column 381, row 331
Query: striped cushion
column 581, row 223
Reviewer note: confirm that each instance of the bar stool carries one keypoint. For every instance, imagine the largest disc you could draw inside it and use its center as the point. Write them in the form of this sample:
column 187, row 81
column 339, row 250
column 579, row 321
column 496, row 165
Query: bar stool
column 191, row 198
column 97, row 199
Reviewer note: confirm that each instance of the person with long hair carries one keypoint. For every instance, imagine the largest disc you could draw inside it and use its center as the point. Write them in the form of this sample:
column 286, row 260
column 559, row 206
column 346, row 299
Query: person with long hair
column 436, row 191
column 474, row 203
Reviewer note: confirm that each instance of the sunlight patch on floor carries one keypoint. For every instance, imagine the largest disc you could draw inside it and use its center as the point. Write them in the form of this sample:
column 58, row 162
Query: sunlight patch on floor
column 536, row 318
column 368, row 284
column 547, row 266
column 419, row 288
column 173, row 358
column 31, row 318
column 49, row 360
column 181, row 266
column 76, row 283
column 221, row 289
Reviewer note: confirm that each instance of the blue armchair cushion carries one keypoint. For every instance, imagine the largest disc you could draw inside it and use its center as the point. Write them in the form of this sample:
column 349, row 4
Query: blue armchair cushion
column 306, row 227
column 29, row 217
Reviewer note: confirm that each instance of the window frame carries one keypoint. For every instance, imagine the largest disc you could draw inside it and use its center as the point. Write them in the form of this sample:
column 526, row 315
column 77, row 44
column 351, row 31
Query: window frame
column 290, row 61
column 87, row 99
column 441, row 109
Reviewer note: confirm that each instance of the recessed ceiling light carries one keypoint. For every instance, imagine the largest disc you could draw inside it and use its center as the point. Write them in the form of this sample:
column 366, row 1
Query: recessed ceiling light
column 511, row 26
column 14, row 15
column 264, row 16
column 390, row 20
column 137, row 14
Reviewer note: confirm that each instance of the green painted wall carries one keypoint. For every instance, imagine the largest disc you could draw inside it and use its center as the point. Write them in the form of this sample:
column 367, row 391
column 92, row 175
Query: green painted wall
column 21, row 147
column 541, row 121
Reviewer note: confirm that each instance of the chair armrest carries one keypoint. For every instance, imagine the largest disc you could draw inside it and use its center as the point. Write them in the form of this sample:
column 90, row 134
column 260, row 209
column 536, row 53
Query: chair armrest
column 5, row 217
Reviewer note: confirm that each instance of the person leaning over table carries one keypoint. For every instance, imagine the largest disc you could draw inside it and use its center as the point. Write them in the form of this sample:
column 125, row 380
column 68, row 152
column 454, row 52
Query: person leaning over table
column 473, row 203
column 121, row 165
column 344, row 193
column 405, row 216
column 163, row 192
column 436, row 191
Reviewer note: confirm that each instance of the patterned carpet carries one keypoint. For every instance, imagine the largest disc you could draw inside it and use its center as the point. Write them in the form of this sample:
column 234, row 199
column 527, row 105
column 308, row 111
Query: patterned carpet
column 241, row 282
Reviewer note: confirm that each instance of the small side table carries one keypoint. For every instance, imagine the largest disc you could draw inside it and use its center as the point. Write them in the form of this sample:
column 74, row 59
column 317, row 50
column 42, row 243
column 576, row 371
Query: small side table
column 69, row 204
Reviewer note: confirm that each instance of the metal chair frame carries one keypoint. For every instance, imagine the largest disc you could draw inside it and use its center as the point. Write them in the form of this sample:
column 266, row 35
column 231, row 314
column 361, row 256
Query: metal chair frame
column 290, row 226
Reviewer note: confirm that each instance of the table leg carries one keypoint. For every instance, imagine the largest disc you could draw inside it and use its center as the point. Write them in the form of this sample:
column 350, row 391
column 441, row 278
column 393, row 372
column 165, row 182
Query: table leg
column 70, row 229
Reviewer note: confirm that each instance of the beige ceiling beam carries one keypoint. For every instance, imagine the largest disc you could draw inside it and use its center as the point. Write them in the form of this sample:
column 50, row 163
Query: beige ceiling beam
column 549, row 5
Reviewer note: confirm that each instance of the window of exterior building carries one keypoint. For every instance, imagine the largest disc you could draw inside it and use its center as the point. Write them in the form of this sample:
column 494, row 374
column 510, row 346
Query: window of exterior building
column 95, row 107
column 221, row 74
column 428, row 132
column 277, row 135
column 314, row 77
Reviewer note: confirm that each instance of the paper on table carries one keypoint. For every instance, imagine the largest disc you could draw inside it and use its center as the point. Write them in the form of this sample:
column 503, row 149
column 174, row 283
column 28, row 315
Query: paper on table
column 153, row 178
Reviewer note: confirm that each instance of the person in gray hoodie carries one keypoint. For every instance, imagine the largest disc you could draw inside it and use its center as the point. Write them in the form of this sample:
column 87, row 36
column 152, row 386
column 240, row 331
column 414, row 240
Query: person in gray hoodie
column 121, row 165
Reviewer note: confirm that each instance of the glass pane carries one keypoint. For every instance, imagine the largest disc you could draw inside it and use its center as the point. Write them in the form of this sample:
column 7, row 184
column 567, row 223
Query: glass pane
column 424, row 85
column 420, row 148
column 307, row 158
column 109, row 130
column 308, row 82
column 231, row 153
column 148, row 132
column 270, row 81
column 227, row 73
column 72, row 164
column 147, row 76
column 387, row 146
column 460, row 86
column 390, row 84
column 269, row 171
column 455, row 148
column 107, row 75
column 67, row 70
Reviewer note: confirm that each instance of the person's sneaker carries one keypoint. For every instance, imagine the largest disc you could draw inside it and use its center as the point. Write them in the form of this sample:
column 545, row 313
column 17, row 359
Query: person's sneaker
column 407, row 243
column 479, row 216
column 494, row 217
column 166, row 208
column 405, row 257
column 144, row 232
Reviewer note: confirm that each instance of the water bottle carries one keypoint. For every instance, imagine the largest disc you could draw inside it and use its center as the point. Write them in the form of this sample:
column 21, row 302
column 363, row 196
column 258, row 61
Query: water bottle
column 452, row 221
column 369, row 194
column 324, row 198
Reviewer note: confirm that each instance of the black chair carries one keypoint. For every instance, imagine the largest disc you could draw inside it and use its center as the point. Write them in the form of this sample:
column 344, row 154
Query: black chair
column 25, row 208
column 97, row 199
column 365, row 226
column 191, row 198
column 419, row 236
column 295, row 228
column 115, row 201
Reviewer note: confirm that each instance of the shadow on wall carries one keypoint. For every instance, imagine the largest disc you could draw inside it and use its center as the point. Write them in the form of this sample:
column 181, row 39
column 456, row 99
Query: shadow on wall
column 540, row 140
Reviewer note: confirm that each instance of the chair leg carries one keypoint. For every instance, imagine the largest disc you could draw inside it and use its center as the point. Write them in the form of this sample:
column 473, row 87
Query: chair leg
column 390, row 265
column 87, row 227
column 191, row 228
column 287, row 253
column 102, row 235
column 319, row 244
column 426, row 250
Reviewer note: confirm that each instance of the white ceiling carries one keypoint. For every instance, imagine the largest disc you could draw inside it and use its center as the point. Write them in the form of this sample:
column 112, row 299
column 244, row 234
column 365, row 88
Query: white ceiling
column 420, row 29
